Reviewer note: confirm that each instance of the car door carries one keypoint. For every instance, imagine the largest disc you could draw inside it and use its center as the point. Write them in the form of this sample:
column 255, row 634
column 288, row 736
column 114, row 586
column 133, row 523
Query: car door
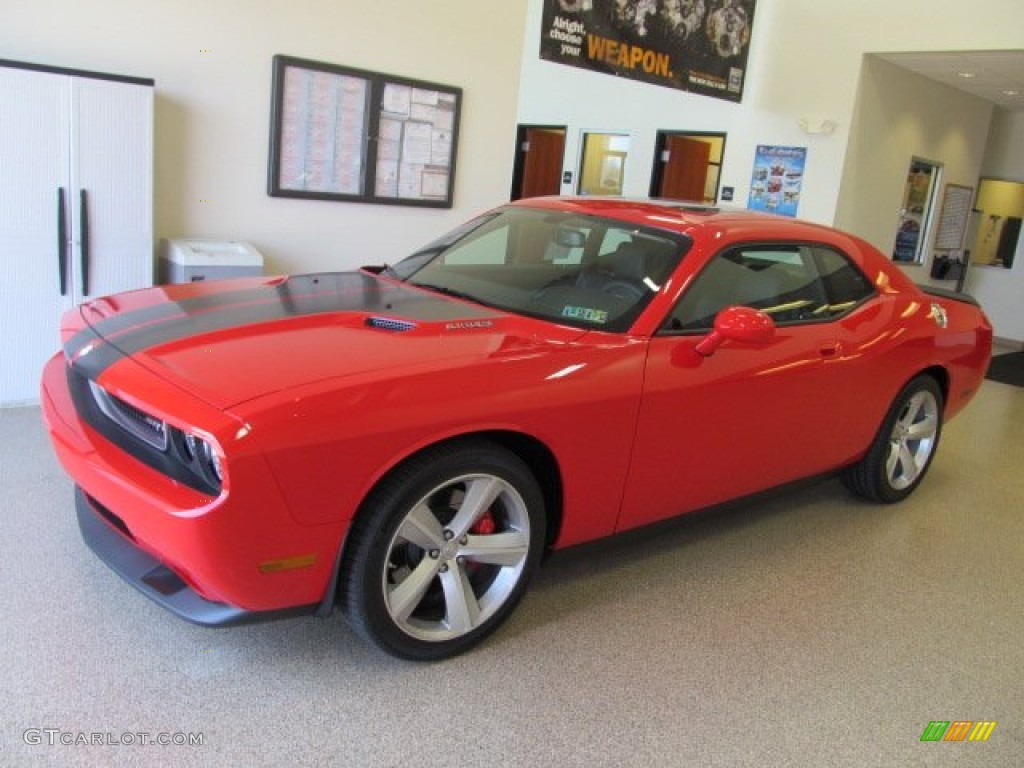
column 750, row 416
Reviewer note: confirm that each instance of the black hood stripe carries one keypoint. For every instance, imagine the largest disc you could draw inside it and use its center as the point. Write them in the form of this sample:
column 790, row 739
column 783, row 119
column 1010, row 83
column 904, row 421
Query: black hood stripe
column 130, row 332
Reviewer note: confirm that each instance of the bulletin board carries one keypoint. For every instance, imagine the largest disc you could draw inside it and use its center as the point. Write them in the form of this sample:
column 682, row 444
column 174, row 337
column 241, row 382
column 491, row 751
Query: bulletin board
column 956, row 210
column 339, row 133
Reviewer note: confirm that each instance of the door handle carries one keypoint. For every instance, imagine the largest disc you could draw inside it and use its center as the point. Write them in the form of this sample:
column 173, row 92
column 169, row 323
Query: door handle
column 83, row 213
column 62, row 243
column 830, row 350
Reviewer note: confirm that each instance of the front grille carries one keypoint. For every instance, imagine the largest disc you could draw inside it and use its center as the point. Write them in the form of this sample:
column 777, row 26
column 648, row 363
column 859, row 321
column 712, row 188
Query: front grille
column 149, row 429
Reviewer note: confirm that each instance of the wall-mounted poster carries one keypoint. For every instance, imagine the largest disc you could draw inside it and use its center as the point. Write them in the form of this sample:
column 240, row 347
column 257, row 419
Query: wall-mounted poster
column 693, row 45
column 777, row 179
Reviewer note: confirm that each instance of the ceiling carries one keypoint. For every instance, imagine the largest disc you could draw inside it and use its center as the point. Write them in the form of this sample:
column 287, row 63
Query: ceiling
column 996, row 76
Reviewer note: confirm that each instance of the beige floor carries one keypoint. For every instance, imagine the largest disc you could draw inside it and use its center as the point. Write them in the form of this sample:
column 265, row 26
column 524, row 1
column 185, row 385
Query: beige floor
column 811, row 630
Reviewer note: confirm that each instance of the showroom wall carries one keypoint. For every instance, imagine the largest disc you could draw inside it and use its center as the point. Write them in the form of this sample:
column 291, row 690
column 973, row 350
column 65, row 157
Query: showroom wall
column 900, row 115
column 212, row 63
column 1001, row 290
column 211, row 60
column 805, row 62
column 555, row 94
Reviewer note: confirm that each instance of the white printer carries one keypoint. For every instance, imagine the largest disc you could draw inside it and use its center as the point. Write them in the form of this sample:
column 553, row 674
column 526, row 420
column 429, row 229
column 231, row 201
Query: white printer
column 189, row 260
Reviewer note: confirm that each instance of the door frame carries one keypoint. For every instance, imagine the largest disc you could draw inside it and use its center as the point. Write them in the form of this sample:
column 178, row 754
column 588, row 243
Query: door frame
column 660, row 146
column 519, row 162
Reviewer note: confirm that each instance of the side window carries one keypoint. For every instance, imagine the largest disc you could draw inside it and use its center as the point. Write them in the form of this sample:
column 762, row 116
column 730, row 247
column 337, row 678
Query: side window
column 845, row 285
column 780, row 280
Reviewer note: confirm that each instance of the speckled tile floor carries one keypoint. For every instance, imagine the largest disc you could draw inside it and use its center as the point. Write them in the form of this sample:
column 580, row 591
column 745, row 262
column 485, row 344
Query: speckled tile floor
column 808, row 630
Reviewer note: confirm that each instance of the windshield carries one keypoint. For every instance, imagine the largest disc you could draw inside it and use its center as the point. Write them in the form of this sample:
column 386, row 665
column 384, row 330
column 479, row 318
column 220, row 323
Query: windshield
column 584, row 271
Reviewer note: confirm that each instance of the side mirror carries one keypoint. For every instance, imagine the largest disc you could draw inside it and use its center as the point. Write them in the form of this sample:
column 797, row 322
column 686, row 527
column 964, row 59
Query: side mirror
column 740, row 324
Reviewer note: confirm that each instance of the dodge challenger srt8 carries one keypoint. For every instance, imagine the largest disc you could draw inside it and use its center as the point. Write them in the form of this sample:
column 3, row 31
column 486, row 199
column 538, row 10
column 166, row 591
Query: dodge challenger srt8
column 405, row 442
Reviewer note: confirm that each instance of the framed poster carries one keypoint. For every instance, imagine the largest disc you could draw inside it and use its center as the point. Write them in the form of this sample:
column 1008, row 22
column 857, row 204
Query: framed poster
column 777, row 179
column 915, row 218
column 339, row 133
column 699, row 46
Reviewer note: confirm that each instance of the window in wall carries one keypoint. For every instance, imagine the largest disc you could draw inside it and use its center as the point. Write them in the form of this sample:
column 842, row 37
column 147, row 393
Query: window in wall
column 999, row 210
column 603, row 163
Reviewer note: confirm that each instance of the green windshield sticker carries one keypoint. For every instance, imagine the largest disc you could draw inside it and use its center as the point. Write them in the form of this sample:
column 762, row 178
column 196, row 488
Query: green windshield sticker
column 586, row 313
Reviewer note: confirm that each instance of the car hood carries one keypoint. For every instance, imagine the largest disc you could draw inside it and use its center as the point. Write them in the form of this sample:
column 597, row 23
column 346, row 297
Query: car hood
column 231, row 341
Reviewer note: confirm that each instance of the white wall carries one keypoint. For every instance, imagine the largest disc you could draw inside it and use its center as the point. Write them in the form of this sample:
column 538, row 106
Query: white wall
column 555, row 94
column 805, row 61
column 212, row 63
column 899, row 115
column 211, row 60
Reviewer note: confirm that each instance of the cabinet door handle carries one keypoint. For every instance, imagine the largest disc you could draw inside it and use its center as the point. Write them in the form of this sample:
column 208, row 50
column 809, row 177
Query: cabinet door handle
column 83, row 213
column 62, row 243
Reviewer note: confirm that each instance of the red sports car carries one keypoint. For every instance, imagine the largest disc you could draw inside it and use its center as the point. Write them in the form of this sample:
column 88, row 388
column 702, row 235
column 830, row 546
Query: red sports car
column 406, row 442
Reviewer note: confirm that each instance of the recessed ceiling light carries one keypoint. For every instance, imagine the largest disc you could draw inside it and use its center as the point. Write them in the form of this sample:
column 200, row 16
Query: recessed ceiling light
column 1011, row 93
column 965, row 74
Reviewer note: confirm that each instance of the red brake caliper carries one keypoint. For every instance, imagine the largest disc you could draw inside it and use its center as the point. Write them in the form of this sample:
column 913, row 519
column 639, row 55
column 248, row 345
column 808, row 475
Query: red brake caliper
column 485, row 526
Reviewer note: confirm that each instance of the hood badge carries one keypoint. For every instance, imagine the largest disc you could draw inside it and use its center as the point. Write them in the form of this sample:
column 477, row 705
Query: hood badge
column 465, row 325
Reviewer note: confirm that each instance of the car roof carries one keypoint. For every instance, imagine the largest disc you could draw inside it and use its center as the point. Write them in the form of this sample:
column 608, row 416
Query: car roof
column 681, row 216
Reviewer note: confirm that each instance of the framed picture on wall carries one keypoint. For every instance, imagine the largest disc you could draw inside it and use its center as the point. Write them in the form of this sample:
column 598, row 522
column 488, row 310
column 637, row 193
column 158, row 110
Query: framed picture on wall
column 339, row 133
column 915, row 219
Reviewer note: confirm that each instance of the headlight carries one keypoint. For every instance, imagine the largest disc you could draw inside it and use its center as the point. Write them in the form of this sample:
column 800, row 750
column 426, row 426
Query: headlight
column 181, row 454
column 211, row 460
column 199, row 458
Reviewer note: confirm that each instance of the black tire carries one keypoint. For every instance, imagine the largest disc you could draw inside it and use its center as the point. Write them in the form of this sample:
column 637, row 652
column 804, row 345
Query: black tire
column 442, row 550
column 903, row 449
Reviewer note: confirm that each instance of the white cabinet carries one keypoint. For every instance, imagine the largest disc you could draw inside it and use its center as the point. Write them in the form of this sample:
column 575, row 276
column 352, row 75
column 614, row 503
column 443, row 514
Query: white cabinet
column 76, row 205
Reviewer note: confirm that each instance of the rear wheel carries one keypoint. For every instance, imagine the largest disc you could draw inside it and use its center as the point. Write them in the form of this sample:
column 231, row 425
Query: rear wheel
column 443, row 550
column 904, row 447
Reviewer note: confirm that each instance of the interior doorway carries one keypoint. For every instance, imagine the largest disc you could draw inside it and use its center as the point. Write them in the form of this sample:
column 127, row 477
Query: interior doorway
column 687, row 166
column 540, row 150
column 603, row 163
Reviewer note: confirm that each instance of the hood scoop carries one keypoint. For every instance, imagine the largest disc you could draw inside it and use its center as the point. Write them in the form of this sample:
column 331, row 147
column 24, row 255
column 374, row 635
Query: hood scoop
column 390, row 324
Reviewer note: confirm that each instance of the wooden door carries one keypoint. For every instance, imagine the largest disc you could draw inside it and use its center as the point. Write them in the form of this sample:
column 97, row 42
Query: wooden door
column 542, row 153
column 685, row 174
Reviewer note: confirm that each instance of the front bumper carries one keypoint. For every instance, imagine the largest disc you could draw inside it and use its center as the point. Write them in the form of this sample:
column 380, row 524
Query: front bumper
column 155, row 580
column 212, row 561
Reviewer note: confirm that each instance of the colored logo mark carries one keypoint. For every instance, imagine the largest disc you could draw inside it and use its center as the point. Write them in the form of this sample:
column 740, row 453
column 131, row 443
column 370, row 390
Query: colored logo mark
column 958, row 730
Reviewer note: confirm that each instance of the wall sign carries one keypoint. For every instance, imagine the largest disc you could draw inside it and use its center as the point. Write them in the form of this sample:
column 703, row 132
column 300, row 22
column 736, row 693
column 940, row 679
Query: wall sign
column 339, row 133
column 693, row 45
column 777, row 179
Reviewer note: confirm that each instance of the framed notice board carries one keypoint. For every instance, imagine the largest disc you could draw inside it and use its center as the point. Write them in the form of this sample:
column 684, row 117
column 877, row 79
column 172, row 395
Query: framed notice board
column 339, row 133
column 953, row 216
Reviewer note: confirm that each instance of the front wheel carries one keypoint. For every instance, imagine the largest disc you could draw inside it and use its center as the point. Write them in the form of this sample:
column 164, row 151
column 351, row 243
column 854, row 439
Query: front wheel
column 443, row 550
column 904, row 447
